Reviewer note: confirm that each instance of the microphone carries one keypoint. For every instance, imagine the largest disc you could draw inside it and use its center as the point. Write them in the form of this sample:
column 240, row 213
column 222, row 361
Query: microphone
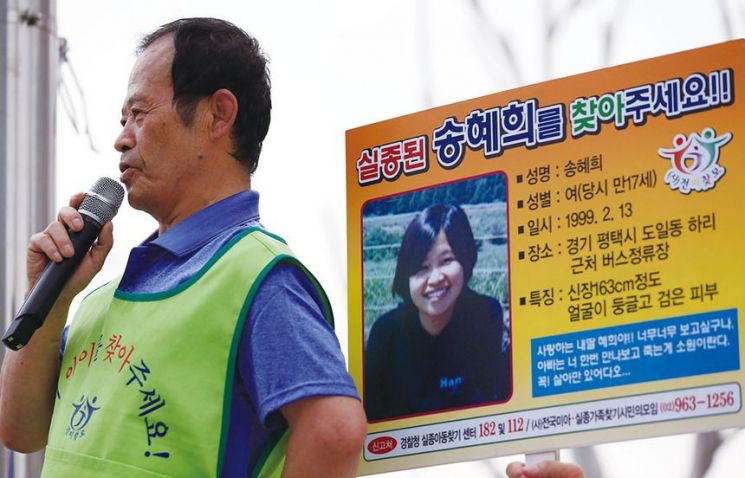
column 99, row 206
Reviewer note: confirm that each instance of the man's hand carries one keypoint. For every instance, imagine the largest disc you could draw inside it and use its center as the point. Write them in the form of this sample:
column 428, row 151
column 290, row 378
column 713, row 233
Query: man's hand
column 29, row 376
column 54, row 244
column 326, row 437
column 545, row 469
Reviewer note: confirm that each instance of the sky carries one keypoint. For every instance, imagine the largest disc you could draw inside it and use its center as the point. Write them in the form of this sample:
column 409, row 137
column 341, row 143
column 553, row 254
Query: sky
column 337, row 65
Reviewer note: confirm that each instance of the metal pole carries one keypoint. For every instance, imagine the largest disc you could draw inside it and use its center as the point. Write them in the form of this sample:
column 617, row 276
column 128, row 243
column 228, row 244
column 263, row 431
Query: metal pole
column 3, row 181
column 27, row 150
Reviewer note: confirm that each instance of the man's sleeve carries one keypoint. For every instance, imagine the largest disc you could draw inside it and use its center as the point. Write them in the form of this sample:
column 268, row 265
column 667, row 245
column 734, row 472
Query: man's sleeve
column 289, row 351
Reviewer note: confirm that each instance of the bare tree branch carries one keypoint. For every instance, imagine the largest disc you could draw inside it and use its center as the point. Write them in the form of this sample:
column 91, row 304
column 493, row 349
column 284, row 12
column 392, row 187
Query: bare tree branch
column 726, row 20
column 609, row 32
column 492, row 32
column 425, row 58
column 552, row 24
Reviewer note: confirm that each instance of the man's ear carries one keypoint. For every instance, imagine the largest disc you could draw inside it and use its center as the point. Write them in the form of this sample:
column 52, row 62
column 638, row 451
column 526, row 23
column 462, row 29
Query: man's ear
column 224, row 107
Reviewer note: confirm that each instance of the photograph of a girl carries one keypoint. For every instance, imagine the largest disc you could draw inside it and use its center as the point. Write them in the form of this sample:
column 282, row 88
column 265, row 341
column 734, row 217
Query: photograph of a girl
column 442, row 346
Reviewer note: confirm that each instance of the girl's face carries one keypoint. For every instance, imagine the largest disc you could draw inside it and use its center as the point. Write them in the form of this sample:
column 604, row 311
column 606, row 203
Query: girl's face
column 435, row 287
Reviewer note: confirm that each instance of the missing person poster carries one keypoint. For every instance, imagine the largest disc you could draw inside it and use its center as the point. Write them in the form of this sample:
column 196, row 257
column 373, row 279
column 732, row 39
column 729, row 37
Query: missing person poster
column 553, row 266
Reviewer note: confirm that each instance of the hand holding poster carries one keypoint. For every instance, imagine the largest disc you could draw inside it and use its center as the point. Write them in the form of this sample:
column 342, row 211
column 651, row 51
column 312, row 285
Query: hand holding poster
column 552, row 266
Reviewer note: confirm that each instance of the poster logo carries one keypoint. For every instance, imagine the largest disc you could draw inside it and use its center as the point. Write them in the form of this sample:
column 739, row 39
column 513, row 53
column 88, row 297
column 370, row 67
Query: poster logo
column 81, row 415
column 694, row 160
column 382, row 445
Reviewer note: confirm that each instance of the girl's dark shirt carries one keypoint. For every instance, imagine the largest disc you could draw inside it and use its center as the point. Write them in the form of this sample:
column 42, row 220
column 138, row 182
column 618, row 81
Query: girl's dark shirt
column 408, row 371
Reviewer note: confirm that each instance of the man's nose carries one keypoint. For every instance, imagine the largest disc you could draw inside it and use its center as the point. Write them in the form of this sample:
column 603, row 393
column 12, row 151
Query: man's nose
column 125, row 141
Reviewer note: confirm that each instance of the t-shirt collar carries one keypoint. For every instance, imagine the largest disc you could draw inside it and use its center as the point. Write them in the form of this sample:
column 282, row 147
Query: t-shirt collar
column 203, row 226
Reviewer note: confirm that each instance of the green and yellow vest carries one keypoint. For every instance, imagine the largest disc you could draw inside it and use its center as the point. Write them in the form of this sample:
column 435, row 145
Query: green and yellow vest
column 146, row 380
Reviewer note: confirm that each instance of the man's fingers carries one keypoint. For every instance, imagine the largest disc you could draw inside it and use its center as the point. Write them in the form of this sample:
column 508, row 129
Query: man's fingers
column 553, row 469
column 514, row 469
column 76, row 199
column 42, row 243
column 69, row 215
column 106, row 238
column 54, row 242
column 70, row 218
column 58, row 233
column 103, row 245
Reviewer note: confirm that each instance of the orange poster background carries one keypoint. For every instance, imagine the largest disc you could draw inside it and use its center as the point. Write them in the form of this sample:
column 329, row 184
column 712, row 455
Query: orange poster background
column 704, row 258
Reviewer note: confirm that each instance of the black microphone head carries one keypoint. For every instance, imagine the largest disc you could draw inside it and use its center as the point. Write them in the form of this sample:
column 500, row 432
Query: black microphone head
column 102, row 202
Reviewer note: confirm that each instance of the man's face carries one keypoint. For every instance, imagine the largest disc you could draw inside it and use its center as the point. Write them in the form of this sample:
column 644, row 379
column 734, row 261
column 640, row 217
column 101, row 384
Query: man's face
column 158, row 152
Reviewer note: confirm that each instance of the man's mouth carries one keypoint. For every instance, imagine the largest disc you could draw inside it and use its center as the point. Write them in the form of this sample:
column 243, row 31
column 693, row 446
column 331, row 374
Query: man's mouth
column 127, row 173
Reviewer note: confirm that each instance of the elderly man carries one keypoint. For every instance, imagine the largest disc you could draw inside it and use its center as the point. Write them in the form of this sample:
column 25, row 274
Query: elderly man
column 212, row 355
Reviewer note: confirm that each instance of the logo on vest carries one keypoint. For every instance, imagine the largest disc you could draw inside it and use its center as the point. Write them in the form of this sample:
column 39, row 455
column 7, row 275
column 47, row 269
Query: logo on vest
column 81, row 415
